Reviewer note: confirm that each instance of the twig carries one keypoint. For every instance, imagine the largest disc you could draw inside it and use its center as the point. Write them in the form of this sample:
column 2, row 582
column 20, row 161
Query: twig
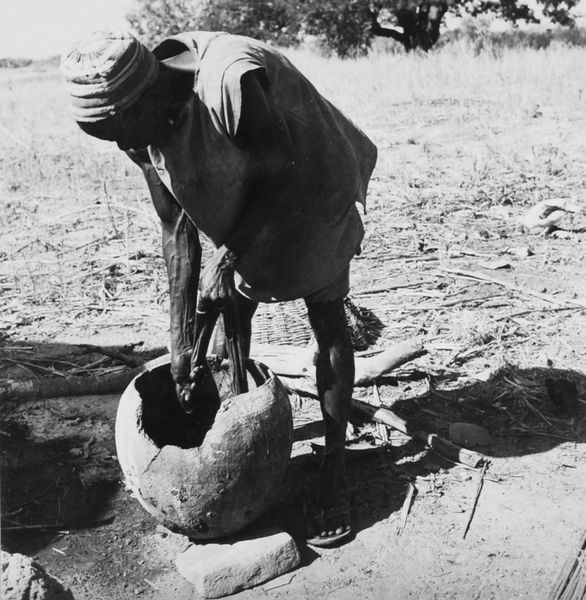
column 155, row 587
column 32, row 527
column 543, row 434
column 389, row 288
column 536, row 411
column 478, row 490
column 476, row 276
column 380, row 427
column 59, row 526
column 463, row 355
column 406, row 507
column 100, row 206
column 129, row 361
column 532, row 310
column 16, row 139
column 35, row 366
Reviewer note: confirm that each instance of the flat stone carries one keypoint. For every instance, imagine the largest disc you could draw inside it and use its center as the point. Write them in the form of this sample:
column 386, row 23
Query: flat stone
column 225, row 567
column 24, row 579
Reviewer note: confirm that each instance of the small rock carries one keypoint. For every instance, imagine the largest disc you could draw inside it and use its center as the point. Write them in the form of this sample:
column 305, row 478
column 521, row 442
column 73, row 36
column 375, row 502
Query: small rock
column 484, row 375
column 521, row 251
column 495, row 264
column 547, row 213
column 469, row 435
column 225, row 567
column 24, row 579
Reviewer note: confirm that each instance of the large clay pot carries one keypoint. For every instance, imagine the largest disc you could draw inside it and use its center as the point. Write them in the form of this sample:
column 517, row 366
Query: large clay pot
column 225, row 483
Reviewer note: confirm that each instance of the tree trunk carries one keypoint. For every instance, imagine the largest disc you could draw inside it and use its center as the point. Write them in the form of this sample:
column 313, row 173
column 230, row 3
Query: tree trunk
column 419, row 26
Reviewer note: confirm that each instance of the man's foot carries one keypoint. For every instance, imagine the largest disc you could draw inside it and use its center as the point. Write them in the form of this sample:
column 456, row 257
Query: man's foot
column 333, row 526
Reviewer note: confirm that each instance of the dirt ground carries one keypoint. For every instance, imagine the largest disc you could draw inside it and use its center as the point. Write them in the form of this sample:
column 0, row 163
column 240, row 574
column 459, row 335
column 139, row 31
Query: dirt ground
column 61, row 477
column 500, row 310
column 59, row 467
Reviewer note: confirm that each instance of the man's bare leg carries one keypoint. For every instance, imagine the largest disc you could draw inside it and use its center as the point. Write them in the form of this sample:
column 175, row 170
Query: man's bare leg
column 335, row 381
column 246, row 310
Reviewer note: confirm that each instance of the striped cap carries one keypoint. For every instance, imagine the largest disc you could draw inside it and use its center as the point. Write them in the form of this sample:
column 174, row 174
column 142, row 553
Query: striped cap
column 106, row 72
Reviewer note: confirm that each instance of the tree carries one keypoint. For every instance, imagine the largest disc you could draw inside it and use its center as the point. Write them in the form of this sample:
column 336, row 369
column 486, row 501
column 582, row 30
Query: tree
column 268, row 20
column 419, row 23
column 346, row 26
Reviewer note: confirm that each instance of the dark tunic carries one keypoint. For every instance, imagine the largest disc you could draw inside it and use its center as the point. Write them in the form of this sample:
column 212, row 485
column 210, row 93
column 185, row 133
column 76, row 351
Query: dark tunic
column 315, row 230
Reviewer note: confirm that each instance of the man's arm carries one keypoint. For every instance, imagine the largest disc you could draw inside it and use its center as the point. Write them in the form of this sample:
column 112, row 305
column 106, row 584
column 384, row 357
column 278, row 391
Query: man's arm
column 182, row 253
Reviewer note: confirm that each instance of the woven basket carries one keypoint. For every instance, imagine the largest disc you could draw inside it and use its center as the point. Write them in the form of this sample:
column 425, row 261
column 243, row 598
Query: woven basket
column 287, row 323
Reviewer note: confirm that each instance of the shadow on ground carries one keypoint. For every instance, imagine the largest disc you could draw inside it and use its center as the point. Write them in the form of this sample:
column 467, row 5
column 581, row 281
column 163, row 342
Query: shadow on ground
column 46, row 489
column 525, row 411
column 517, row 406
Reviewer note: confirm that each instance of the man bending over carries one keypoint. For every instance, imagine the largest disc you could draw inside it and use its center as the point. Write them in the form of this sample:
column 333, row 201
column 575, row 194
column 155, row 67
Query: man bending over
column 236, row 143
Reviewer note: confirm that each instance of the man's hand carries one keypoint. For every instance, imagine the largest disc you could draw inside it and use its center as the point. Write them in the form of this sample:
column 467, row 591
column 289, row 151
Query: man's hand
column 216, row 283
column 199, row 389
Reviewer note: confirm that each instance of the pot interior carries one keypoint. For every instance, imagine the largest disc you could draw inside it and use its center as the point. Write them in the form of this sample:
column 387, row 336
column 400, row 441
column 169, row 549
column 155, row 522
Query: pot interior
column 163, row 419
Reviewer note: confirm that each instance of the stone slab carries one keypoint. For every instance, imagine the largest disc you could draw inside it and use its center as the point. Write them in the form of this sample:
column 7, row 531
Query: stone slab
column 221, row 568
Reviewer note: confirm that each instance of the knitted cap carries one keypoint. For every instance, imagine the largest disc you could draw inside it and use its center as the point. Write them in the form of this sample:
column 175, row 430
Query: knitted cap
column 106, row 72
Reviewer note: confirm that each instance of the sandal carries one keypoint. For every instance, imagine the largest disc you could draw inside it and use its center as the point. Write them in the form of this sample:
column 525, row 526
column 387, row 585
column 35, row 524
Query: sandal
column 330, row 520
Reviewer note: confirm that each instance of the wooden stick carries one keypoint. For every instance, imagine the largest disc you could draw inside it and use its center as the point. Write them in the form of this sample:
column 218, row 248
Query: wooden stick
column 406, row 507
column 293, row 361
column 476, row 498
column 369, row 369
column 431, row 440
column 54, row 387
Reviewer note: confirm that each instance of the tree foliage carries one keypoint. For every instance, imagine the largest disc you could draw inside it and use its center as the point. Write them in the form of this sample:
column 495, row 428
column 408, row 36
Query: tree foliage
column 345, row 26
column 268, row 20
column 154, row 20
